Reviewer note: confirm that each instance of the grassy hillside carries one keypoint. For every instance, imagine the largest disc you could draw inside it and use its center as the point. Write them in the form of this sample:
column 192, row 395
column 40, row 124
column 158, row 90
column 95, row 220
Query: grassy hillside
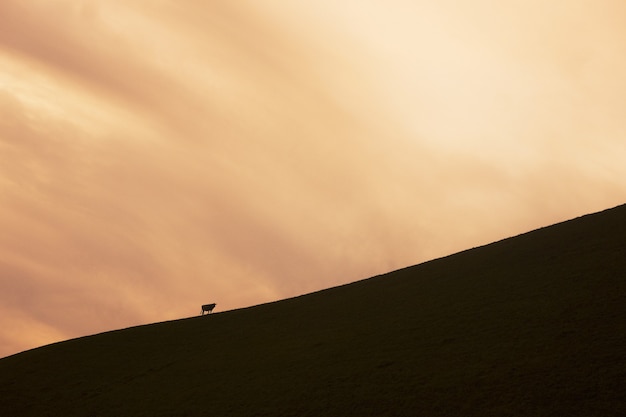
column 529, row 326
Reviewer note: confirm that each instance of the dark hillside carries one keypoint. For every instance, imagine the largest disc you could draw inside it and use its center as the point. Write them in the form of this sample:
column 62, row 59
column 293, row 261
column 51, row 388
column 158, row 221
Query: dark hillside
column 533, row 325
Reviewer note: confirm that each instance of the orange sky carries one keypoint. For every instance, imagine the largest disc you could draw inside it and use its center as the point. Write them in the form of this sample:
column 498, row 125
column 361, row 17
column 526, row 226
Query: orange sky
column 156, row 156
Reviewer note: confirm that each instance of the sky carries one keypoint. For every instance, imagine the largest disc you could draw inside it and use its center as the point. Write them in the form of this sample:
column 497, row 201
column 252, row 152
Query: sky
column 157, row 155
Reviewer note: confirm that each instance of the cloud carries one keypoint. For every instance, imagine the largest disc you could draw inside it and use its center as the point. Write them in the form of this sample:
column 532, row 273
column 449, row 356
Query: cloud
column 155, row 157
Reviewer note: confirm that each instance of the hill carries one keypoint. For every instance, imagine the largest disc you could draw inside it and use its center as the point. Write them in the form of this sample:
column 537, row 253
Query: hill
column 533, row 325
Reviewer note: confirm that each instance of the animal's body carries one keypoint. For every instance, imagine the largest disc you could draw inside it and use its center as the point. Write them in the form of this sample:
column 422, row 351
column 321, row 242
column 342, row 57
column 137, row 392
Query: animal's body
column 208, row 308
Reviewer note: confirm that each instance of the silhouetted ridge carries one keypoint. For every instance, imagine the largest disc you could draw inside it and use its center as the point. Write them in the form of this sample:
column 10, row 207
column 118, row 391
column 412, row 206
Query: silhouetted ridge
column 533, row 325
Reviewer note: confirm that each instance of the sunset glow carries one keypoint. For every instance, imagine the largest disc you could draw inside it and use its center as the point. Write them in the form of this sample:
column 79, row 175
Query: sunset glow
column 156, row 156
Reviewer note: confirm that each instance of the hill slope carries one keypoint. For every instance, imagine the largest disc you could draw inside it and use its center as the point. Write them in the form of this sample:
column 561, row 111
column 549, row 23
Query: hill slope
column 529, row 326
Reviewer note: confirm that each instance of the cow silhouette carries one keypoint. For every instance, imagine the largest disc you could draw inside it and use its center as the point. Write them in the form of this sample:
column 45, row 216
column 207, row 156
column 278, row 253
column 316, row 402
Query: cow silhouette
column 208, row 308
